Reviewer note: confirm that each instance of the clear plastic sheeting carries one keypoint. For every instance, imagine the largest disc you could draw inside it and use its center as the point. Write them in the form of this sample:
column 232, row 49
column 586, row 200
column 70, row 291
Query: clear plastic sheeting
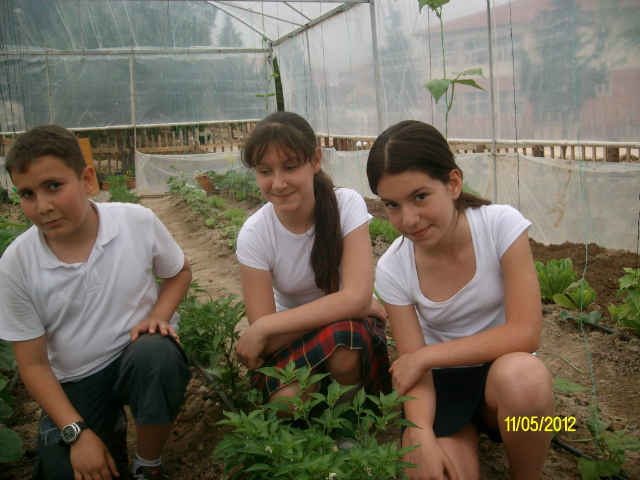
column 199, row 87
column 154, row 171
column 548, row 192
column 5, row 179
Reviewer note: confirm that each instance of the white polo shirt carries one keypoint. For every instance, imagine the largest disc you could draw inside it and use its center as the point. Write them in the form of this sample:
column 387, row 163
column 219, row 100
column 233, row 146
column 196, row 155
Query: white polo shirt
column 86, row 310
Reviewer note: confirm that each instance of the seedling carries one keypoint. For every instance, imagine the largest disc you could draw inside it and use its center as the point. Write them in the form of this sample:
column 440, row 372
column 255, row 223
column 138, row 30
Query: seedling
column 628, row 314
column 614, row 445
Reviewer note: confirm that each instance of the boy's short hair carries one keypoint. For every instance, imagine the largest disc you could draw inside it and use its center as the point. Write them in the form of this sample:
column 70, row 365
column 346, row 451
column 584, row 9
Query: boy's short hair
column 45, row 140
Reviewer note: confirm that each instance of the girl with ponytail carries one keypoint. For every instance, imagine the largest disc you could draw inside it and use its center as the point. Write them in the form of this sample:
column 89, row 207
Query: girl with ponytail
column 306, row 265
column 463, row 300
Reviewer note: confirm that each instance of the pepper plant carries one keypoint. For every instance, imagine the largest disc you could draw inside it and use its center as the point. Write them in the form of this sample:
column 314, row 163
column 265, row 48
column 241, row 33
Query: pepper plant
column 378, row 227
column 264, row 445
column 208, row 333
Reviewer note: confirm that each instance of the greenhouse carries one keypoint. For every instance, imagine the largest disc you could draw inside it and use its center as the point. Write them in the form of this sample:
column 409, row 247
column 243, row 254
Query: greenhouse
column 538, row 101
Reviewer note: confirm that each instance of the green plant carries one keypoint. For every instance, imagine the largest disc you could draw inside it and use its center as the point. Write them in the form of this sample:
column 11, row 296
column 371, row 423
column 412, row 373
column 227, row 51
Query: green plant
column 266, row 446
column 578, row 299
column 118, row 190
column 614, row 445
column 10, row 442
column 440, row 86
column 378, row 227
column 627, row 314
column 557, row 277
column 8, row 232
column 208, row 332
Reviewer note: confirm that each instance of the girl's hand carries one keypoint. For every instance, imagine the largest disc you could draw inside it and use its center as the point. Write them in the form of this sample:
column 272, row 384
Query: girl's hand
column 433, row 462
column 407, row 370
column 251, row 345
column 378, row 311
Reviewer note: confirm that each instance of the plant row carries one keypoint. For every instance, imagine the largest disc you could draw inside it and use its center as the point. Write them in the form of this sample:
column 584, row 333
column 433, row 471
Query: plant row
column 559, row 283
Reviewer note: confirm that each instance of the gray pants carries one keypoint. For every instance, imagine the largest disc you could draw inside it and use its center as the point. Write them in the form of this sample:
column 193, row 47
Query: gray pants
column 151, row 376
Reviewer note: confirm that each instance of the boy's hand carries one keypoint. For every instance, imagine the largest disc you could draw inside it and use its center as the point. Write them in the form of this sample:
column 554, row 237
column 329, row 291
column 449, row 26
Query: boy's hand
column 151, row 325
column 91, row 459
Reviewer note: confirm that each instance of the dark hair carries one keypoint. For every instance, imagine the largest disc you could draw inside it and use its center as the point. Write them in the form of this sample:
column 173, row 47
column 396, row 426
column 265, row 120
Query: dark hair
column 414, row 145
column 46, row 140
column 293, row 136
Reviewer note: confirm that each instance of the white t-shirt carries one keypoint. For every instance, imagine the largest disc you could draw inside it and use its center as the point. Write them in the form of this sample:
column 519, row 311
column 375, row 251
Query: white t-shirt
column 86, row 310
column 479, row 305
column 265, row 244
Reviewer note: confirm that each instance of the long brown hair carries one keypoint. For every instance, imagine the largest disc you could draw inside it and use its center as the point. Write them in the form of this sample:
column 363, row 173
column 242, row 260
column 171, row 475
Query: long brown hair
column 293, row 136
column 415, row 145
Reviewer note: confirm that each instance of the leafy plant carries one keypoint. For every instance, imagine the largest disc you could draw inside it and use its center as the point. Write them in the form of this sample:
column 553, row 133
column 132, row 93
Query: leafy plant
column 440, row 86
column 378, row 227
column 118, row 190
column 628, row 314
column 268, row 78
column 579, row 299
column 208, row 332
column 614, row 445
column 10, row 442
column 266, row 446
column 557, row 277
column 8, row 232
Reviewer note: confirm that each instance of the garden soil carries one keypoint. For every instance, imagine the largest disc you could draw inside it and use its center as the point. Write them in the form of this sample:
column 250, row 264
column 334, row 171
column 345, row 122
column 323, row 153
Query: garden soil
column 567, row 352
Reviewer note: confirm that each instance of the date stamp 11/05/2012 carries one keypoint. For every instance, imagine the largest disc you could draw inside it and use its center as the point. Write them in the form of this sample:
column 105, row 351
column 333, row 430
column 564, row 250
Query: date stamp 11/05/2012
column 540, row 424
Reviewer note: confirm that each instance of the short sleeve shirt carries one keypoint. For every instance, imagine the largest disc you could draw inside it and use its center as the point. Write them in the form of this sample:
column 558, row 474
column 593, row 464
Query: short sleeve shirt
column 86, row 310
column 479, row 305
column 265, row 244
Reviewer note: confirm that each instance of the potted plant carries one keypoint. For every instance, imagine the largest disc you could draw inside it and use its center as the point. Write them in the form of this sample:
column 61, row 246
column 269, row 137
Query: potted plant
column 105, row 185
column 131, row 182
column 204, row 181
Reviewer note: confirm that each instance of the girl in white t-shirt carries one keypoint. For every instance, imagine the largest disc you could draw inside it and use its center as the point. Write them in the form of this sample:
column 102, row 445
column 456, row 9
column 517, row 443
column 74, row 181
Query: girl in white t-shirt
column 306, row 266
column 463, row 299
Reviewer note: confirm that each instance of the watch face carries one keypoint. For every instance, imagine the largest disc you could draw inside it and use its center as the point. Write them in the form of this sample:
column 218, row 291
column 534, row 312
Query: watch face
column 69, row 433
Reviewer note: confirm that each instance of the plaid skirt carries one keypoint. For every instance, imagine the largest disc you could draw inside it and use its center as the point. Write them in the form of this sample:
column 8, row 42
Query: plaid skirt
column 315, row 347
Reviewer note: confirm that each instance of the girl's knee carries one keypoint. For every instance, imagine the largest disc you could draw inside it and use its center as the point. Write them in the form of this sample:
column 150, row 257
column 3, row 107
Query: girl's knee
column 344, row 361
column 521, row 381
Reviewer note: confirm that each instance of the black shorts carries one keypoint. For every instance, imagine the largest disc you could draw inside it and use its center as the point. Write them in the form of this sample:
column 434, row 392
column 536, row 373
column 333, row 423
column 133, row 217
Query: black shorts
column 459, row 394
column 151, row 376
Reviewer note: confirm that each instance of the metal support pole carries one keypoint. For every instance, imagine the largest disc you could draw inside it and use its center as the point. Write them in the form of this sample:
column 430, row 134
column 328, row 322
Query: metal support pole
column 46, row 57
column 133, row 104
column 493, row 110
column 313, row 101
column 376, row 65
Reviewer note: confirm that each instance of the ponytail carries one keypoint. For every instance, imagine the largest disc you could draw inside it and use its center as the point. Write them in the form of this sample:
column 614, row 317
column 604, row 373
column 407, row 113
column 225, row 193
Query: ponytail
column 326, row 253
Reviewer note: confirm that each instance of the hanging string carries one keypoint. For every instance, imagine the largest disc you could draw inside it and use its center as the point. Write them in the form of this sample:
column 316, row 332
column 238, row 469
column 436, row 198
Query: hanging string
column 586, row 230
column 515, row 108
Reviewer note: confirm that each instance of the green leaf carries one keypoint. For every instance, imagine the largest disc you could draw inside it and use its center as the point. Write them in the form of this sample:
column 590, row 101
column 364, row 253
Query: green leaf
column 7, row 359
column 438, row 87
column 591, row 424
column 606, row 468
column 568, row 386
column 10, row 445
column 471, row 83
column 471, row 71
column 630, row 443
column 257, row 467
column 432, row 4
column 563, row 301
column 259, row 95
column 271, row 95
column 588, row 469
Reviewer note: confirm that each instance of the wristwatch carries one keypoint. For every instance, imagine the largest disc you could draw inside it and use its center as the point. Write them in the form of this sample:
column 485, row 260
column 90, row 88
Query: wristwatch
column 71, row 432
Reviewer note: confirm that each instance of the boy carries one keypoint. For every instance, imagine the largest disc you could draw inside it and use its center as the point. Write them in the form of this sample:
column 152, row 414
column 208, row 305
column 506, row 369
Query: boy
column 81, row 306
